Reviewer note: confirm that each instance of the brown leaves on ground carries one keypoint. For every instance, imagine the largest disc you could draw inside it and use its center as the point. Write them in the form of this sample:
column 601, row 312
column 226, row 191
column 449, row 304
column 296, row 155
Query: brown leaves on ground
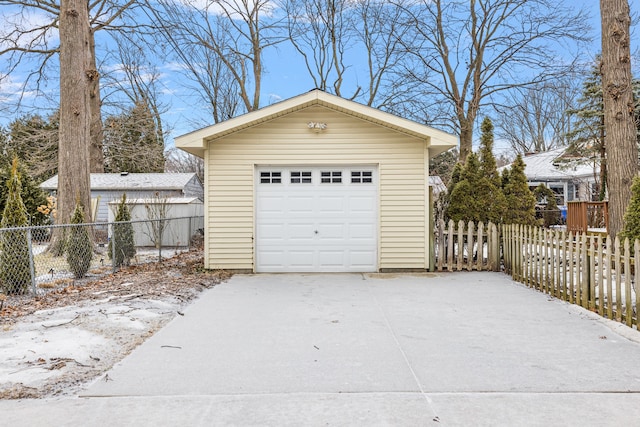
column 181, row 277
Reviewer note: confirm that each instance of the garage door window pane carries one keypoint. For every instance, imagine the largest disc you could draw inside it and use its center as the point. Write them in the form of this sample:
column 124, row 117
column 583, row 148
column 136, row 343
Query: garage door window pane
column 270, row 177
column 361, row 177
column 301, row 177
column 331, row 177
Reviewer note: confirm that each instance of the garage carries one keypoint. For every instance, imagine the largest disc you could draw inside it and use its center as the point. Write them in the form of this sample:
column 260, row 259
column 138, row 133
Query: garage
column 317, row 183
column 316, row 219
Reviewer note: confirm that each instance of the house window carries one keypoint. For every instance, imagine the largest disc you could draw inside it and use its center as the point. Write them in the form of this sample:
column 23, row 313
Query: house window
column 361, row 177
column 559, row 190
column 331, row 177
column 270, row 177
column 301, row 177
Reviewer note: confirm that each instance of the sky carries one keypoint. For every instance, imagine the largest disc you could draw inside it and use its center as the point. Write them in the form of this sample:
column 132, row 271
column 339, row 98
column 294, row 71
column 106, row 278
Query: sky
column 285, row 77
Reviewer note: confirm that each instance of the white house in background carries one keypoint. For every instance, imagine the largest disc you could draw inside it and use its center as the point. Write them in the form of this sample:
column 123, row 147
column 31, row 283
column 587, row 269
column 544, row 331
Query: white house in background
column 317, row 183
column 185, row 216
column 572, row 179
column 108, row 187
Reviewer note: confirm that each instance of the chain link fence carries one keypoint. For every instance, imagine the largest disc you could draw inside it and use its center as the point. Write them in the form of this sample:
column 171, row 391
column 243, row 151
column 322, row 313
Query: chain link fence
column 35, row 259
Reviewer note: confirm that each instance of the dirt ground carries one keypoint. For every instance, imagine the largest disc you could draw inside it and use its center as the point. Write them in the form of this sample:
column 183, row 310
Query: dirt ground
column 56, row 343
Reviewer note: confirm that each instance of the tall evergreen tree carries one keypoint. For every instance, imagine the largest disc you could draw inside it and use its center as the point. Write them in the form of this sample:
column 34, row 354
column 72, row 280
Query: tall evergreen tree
column 489, row 192
column 521, row 202
column 588, row 138
column 477, row 196
column 132, row 142
column 34, row 140
column 14, row 250
column 487, row 159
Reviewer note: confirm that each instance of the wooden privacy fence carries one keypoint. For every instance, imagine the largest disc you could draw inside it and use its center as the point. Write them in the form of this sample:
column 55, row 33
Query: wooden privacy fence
column 465, row 247
column 594, row 272
column 581, row 216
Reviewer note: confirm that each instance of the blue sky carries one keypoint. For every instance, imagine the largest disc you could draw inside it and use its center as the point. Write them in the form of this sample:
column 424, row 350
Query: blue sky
column 285, row 77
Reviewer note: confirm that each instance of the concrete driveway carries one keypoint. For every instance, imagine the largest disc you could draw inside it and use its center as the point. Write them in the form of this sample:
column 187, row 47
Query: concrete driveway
column 454, row 349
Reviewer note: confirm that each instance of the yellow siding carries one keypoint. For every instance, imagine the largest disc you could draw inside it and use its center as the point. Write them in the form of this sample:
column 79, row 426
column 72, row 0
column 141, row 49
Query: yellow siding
column 287, row 140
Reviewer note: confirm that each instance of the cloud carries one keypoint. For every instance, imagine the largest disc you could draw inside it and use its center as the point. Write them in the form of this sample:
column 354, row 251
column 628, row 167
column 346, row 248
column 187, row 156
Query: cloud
column 28, row 28
column 230, row 7
column 274, row 98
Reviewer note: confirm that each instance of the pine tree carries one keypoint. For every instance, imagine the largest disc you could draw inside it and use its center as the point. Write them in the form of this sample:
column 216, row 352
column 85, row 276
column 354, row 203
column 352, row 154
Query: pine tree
column 79, row 247
column 520, row 200
column 31, row 194
column 463, row 205
column 443, row 165
column 631, row 227
column 487, row 159
column 476, row 191
column 132, row 142
column 122, row 236
column 588, row 137
column 14, row 256
column 492, row 202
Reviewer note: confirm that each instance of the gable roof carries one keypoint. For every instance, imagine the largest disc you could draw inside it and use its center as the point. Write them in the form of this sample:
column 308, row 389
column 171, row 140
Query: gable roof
column 194, row 142
column 554, row 165
column 131, row 181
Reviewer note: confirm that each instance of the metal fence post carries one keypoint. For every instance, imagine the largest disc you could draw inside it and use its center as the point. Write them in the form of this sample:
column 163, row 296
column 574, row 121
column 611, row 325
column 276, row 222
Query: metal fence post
column 189, row 234
column 161, row 225
column 113, row 248
column 32, row 270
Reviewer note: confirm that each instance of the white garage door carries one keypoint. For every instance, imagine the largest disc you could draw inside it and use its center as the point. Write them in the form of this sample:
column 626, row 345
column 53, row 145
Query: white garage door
column 320, row 219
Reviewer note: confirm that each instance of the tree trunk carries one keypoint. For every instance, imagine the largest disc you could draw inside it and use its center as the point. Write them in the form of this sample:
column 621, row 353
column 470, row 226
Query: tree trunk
column 602, row 193
column 466, row 139
column 96, row 155
column 622, row 152
column 76, row 75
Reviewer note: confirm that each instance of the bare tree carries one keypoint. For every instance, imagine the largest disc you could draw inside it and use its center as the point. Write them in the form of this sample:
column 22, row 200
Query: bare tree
column 380, row 31
column 235, row 33
column 321, row 31
column 24, row 41
column 138, row 81
column 465, row 53
column 536, row 119
column 208, row 77
column 617, row 91
column 179, row 161
column 329, row 33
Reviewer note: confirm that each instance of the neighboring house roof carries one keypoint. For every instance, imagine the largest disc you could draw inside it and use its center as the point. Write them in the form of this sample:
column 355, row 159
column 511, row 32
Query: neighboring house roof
column 160, row 200
column 553, row 165
column 131, row 181
column 194, row 142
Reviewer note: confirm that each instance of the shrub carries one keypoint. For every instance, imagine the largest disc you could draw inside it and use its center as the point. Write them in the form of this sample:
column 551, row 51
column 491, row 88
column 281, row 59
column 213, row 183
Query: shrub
column 15, row 270
column 122, row 236
column 79, row 247
column 475, row 191
column 631, row 228
column 521, row 203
